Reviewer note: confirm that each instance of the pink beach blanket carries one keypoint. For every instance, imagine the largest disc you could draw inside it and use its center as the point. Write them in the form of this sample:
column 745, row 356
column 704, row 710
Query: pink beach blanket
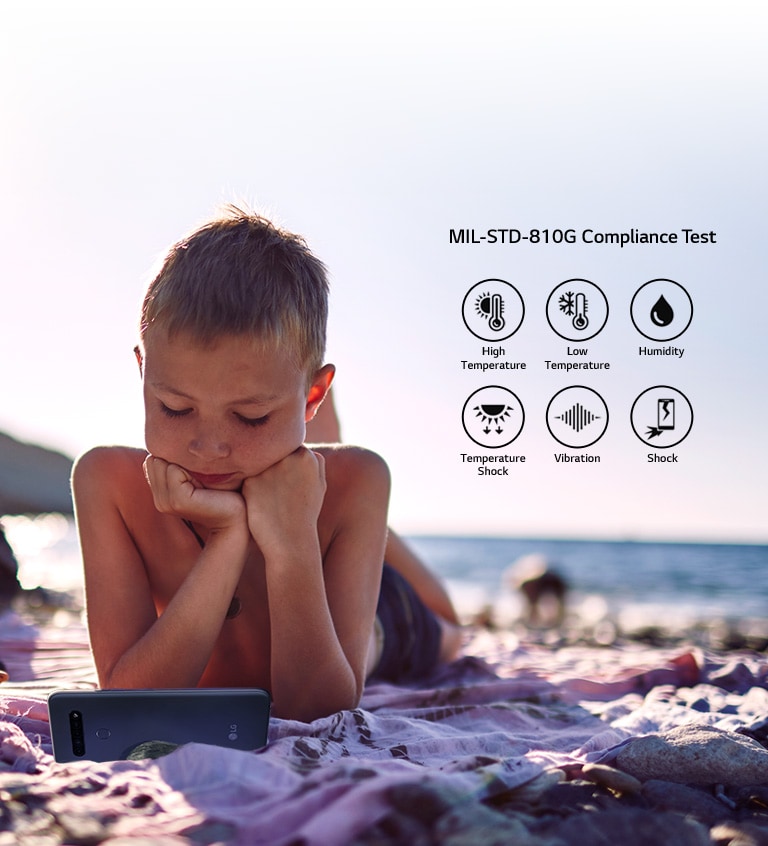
column 493, row 721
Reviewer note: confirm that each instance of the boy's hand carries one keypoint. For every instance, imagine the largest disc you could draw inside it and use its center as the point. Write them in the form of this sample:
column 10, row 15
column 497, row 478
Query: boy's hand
column 175, row 492
column 285, row 500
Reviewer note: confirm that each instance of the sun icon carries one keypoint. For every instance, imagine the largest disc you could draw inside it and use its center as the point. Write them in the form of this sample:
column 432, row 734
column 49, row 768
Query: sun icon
column 493, row 416
column 491, row 307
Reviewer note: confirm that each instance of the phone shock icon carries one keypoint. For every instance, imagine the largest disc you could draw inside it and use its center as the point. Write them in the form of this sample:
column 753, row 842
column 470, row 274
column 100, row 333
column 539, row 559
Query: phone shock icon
column 665, row 413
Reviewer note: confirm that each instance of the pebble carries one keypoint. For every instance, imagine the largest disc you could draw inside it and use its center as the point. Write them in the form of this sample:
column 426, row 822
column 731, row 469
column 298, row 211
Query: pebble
column 472, row 824
column 633, row 826
column 739, row 834
column 692, row 801
column 696, row 755
column 613, row 779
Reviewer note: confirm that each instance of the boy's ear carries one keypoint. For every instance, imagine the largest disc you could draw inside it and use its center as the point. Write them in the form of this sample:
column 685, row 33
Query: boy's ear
column 139, row 358
column 321, row 384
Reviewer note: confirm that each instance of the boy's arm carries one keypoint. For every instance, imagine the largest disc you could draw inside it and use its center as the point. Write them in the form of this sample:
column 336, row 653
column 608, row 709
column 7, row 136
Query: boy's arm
column 321, row 611
column 132, row 646
column 324, row 428
column 426, row 584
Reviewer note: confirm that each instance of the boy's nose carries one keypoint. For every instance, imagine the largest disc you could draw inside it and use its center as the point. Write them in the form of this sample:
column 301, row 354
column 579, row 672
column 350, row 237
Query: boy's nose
column 208, row 447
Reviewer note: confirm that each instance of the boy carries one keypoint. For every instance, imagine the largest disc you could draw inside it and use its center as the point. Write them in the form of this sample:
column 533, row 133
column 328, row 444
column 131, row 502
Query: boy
column 228, row 554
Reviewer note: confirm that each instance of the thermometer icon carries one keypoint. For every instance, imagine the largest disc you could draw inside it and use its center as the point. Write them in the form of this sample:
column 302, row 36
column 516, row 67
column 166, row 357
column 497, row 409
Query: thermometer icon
column 495, row 320
column 580, row 320
column 491, row 306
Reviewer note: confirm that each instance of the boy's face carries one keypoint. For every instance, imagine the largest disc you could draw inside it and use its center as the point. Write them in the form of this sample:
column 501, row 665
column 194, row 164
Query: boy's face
column 224, row 411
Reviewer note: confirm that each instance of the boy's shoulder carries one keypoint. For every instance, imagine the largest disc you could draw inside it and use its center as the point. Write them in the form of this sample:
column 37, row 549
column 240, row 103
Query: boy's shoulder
column 351, row 465
column 350, row 456
column 357, row 487
column 119, row 464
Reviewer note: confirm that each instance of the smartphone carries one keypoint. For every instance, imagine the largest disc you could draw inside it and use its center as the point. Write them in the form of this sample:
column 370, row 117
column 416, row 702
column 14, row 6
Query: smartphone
column 106, row 725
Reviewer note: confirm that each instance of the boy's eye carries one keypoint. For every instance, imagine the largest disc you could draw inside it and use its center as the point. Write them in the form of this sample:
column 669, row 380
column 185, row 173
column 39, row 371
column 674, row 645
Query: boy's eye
column 253, row 421
column 174, row 412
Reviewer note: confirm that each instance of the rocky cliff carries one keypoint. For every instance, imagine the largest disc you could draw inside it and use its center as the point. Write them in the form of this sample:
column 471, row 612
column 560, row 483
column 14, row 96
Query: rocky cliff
column 33, row 479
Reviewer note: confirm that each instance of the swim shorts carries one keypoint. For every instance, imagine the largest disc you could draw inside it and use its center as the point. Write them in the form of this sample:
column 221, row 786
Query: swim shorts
column 411, row 632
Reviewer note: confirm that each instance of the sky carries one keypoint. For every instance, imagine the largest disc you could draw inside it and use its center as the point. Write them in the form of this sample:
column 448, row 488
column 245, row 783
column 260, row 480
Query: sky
column 373, row 130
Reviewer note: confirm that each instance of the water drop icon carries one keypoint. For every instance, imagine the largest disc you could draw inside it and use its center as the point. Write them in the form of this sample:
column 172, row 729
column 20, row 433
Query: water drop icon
column 662, row 313
column 661, row 309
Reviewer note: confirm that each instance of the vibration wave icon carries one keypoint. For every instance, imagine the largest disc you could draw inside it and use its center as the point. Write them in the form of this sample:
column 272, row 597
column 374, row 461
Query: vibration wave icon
column 577, row 408
column 577, row 417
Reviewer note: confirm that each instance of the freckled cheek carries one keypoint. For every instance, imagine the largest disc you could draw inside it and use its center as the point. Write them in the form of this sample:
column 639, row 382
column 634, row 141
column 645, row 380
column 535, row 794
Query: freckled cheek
column 263, row 448
column 257, row 451
column 159, row 439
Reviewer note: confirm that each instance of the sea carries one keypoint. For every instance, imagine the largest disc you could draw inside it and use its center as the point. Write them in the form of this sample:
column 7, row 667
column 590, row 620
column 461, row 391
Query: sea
column 635, row 585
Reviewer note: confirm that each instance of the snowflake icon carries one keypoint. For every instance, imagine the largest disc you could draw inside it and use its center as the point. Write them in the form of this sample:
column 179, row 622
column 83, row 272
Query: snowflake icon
column 567, row 303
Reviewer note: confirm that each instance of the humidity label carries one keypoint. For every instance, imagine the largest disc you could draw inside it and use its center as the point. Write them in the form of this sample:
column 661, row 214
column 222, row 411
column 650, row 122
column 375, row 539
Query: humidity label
column 662, row 417
column 577, row 417
column 493, row 416
column 577, row 310
column 493, row 310
column 661, row 310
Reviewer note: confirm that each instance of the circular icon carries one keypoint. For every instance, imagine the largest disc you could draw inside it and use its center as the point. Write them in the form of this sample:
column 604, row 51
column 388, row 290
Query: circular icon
column 661, row 310
column 493, row 416
column 661, row 417
column 493, row 310
column 577, row 310
column 103, row 733
column 577, row 417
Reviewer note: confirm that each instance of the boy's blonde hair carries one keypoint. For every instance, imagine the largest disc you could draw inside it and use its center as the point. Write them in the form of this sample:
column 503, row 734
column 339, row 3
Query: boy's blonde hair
column 239, row 274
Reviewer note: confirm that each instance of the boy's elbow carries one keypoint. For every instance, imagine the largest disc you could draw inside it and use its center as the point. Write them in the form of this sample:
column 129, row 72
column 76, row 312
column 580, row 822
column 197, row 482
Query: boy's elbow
column 315, row 702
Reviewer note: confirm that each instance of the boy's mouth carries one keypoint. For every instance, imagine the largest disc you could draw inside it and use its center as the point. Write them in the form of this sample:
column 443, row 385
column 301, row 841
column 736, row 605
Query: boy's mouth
column 208, row 480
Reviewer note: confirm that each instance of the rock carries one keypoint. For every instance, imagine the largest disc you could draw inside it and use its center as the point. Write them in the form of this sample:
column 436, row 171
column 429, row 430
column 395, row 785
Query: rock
column 751, row 795
column 425, row 814
column 739, row 834
column 33, row 479
column 564, row 798
column 613, row 779
column 696, row 755
column 735, row 676
column 631, row 826
column 472, row 824
column 9, row 570
column 415, row 810
column 688, row 801
column 531, row 791
column 757, row 731
column 82, row 827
